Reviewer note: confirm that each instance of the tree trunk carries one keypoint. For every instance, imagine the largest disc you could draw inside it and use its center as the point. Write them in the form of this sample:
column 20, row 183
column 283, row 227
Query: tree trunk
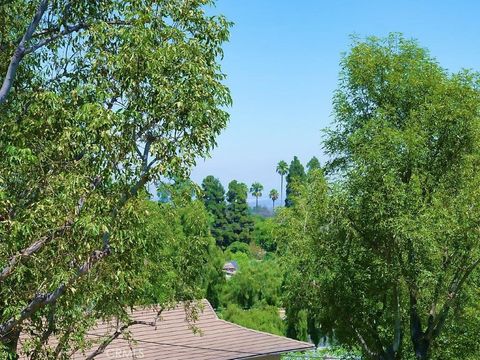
column 387, row 356
column 421, row 343
column 421, row 346
column 281, row 190
column 256, row 202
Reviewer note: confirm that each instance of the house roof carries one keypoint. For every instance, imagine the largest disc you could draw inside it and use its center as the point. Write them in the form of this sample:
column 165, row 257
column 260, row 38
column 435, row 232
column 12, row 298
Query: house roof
column 231, row 264
column 172, row 338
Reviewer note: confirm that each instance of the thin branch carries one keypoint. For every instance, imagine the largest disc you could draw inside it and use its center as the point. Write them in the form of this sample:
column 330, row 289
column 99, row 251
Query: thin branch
column 33, row 249
column 40, row 243
column 454, row 290
column 364, row 343
column 19, row 52
column 115, row 335
column 62, row 342
column 68, row 30
column 41, row 300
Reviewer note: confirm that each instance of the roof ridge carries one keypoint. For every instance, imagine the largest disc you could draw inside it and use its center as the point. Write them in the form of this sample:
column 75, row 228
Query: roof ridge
column 207, row 303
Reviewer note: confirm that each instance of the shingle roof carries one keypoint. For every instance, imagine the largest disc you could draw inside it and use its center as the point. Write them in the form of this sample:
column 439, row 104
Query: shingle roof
column 173, row 338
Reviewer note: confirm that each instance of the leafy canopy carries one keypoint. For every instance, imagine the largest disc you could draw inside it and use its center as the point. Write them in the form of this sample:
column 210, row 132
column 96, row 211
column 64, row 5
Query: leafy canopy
column 100, row 99
column 392, row 247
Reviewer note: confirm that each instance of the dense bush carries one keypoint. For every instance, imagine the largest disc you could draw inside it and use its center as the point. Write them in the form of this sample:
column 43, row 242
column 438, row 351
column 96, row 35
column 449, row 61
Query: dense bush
column 257, row 282
column 264, row 318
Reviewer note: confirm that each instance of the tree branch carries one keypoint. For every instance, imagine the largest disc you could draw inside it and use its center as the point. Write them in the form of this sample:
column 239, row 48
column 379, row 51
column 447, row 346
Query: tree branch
column 40, row 243
column 41, row 300
column 115, row 335
column 19, row 52
column 33, row 249
column 454, row 290
column 66, row 31
column 364, row 343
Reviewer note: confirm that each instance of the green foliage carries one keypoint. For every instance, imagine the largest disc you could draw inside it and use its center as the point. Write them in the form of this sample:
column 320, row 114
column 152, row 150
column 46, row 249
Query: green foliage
column 325, row 353
column 296, row 323
column 264, row 318
column 243, row 260
column 264, row 233
column 214, row 278
column 384, row 258
column 296, row 175
column 238, row 246
column 177, row 243
column 256, row 282
column 213, row 197
column 459, row 339
column 313, row 164
column 240, row 224
column 165, row 264
column 134, row 96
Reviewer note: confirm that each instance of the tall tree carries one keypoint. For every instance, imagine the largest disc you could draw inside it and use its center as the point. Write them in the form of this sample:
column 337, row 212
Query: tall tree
column 98, row 100
column 393, row 246
column 296, row 176
column 282, row 170
column 313, row 164
column 256, row 190
column 274, row 196
column 213, row 197
column 240, row 223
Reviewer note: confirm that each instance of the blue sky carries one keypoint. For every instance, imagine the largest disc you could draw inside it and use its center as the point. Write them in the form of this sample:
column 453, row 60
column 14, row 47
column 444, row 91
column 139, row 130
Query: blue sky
column 282, row 64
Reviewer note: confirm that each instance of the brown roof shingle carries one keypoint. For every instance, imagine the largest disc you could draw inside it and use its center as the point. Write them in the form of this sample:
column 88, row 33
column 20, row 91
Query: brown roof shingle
column 173, row 338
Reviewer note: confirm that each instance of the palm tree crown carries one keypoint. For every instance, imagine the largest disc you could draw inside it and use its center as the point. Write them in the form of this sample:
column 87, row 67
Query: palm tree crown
column 282, row 170
column 274, row 196
column 256, row 190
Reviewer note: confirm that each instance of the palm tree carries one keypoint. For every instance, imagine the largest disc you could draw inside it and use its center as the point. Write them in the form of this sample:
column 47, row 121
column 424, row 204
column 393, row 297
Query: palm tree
column 256, row 190
column 282, row 169
column 274, row 196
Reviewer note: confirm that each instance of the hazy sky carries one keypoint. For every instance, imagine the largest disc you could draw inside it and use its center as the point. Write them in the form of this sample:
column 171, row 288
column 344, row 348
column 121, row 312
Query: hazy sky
column 282, row 67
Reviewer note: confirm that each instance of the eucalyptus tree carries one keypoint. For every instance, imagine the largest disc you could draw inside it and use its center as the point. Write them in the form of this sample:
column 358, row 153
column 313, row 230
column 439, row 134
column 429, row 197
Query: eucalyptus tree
column 273, row 196
column 98, row 99
column 392, row 248
column 256, row 190
column 282, row 170
column 296, row 176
